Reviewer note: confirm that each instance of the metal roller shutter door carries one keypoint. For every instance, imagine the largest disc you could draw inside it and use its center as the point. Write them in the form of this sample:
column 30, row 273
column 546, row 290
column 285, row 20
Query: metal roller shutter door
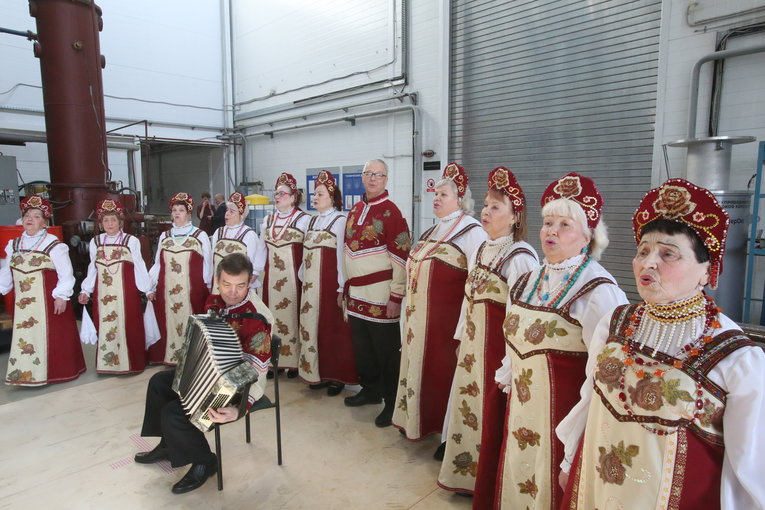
column 548, row 87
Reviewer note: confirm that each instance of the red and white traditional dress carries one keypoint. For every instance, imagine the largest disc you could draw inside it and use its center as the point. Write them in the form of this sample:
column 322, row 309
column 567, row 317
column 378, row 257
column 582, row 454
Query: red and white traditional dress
column 436, row 273
column 377, row 243
column 181, row 276
column 546, row 355
column 227, row 240
column 667, row 430
column 279, row 257
column 254, row 336
column 45, row 346
column 326, row 351
column 477, row 405
column 116, row 277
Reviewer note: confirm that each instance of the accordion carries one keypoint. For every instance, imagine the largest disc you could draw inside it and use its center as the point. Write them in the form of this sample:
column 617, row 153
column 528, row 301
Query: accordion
column 211, row 371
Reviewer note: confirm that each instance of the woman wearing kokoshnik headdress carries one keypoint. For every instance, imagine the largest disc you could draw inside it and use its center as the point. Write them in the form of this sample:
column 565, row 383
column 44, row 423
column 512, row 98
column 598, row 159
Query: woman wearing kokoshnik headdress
column 116, row 278
column 181, row 277
column 280, row 253
column 45, row 346
column 234, row 237
column 326, row 351
column 436, row 271
column 548, row 330
column 673, row 402
column 476, row 405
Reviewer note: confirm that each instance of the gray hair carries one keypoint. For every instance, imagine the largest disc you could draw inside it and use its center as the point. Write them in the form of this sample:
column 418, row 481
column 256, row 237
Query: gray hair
column 570, row 209
column 380, row 161
column 466, row 202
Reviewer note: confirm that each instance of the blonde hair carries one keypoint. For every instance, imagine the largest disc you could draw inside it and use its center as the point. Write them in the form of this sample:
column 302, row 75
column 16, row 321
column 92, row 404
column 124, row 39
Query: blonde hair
column 467, row 204
column 570, row 209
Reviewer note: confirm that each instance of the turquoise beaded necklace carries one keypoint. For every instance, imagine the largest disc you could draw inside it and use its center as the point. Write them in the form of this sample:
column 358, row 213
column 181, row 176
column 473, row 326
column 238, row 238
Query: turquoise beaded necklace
column 569, row 278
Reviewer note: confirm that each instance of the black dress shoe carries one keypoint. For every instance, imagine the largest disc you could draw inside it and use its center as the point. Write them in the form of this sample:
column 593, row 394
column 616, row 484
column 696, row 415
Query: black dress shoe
column 335, row 388
column 384, row 418
column 291, row 374
column 440, row 451
column 318, row 386
column 195, row 477
column 157, row 454
column 361, row 399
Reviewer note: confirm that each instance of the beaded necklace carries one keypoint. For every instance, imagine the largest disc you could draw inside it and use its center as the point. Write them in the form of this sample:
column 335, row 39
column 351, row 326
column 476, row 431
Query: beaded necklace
column 674, row 314
column 117, row 253
column 274, row 235
column 37, row 243
column 416, row 263
column 561, row 289
column 183, row 236
column 482, row 272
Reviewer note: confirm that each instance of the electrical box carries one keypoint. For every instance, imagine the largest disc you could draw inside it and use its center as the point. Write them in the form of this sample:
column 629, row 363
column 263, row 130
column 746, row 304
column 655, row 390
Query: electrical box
column 9, row 191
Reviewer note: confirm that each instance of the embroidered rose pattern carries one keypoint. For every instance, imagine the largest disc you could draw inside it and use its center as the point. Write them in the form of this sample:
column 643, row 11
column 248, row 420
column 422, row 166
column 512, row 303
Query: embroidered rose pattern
column 111, row 335
column 282, row 328
column 611, row 463
column 465, row 465
column 526, row 437
column 609, row 369
column 522, row 384
column 467, row 362
column 529, row 487
column 535, row 333
column 27, row 323
column 25, row 347
column 673, row 202
column 111, row 359
column 175, row 290
column 308, row 260
column 306, row 306
column 108, row 299
column 24, row 302
column 711, row 416
column 25, row 285
column 111, row 317
column 471, row 389
column 278, row 263
column 175, row 267
column 569, row 186
column 284, row 303
column 469, row 418
column 512, row 321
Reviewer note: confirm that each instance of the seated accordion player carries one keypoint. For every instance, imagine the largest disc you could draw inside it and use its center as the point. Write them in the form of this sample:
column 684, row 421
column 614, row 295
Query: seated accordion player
column 212, row 371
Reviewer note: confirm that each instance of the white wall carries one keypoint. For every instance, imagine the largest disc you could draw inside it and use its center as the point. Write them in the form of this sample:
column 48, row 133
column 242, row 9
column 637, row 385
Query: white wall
column 164, row 64
column 743, row 99
column 386, row 136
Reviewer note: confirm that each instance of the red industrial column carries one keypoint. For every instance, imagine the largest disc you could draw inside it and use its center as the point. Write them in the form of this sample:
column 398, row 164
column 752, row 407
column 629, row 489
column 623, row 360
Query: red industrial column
column 71, row 63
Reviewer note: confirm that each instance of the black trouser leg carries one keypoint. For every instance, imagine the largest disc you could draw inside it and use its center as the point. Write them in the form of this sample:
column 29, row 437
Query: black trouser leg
column 366, row 360
column 386, row 341
column 164, row 417
column 377, row 347
column 158, row 393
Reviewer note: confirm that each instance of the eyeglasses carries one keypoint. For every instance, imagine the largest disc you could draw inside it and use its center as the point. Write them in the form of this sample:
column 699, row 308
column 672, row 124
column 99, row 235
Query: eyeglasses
column 280, row 194
column 373, row 175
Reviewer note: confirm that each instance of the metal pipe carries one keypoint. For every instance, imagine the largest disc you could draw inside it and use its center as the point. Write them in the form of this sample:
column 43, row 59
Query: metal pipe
column 718, row 55
column 28, row 34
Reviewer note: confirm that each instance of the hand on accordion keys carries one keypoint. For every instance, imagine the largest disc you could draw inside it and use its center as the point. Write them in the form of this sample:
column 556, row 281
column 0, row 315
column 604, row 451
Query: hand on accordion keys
column 223, row 414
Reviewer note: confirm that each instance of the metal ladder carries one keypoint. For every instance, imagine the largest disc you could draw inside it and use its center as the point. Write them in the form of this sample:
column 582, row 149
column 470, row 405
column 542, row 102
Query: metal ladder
column 753, row 250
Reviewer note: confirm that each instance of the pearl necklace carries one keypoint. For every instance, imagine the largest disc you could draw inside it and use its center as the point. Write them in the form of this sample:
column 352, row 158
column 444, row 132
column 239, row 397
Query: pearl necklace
column 682, row 313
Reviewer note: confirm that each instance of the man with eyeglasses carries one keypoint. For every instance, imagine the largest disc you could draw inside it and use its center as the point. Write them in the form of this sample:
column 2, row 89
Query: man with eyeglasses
column 377, row 244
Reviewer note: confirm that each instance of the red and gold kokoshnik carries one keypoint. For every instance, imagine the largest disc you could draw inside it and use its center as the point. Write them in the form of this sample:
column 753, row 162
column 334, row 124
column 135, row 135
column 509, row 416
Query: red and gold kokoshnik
column 457, row 174
column 237, row 199
column 684, row 202
column 110, row 206
column 36, row 202
column 183, row 199
column 325, row 178
column 502, row 179
column 581, row 190
column 287, row 180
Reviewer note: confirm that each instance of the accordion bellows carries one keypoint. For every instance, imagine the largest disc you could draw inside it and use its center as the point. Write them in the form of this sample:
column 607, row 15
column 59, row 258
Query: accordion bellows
column 212, row 372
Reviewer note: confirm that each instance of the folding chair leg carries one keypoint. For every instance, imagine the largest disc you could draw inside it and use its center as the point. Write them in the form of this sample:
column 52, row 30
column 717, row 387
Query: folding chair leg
column 277, row 409
column 247, row 427
column 218, row 457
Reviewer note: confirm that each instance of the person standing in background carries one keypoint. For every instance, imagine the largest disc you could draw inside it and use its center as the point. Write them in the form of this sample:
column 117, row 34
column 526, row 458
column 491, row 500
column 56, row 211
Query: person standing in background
column 205, row 212
column 219, row 212
column 377, row 244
